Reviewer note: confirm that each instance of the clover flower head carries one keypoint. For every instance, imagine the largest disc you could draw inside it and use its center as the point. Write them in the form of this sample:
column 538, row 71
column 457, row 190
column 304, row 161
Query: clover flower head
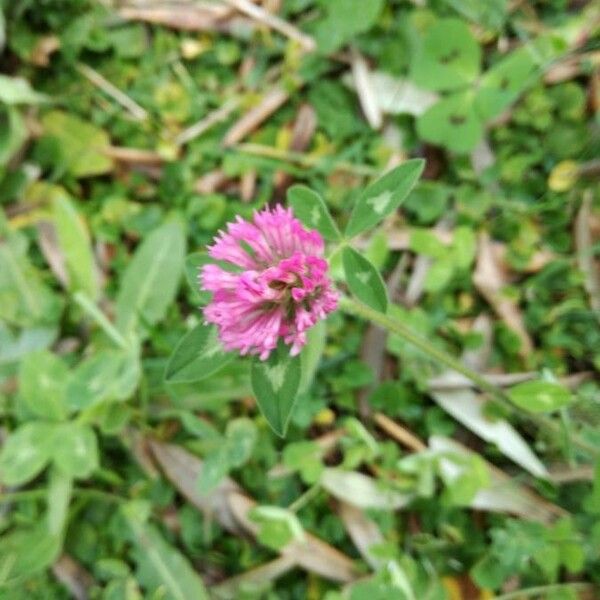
column 275, row 284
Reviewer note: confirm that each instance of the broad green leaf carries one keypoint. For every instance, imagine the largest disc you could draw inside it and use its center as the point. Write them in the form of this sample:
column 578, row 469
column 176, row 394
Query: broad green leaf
column 464, row 247
column 42, row 385
column 13, row 132
column 113, row 418
column 275, row 384
column 14, row 348
column 161, row 566
column 345, row 19
column 107, row 375
column 16, row 90
column 75, row 450
column 501, row 85
column 452, row 123
column 198, row 355
column 277, row 526
column 306, row 457
column 151, row 280
column 311, row 209
column 424, row 241
column 26, row 452
column 25, row 552
column 439, row 274
column 60, row 487
column 364, row 280
column 74, row 241
column 82, row 144
column 382, row 197
column 490, row 13
column 24, row 298
column 540, row 396
column 240, row 437
column 448, row 58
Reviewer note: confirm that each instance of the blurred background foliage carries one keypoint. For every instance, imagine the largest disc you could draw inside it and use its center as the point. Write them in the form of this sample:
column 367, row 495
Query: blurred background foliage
column 131, row 132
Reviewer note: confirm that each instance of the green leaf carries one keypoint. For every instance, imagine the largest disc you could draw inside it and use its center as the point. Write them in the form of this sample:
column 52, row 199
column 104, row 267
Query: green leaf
column 24, row 298
column 76, row 450
column 162, row 569
column 15, row 90
column 240, row 441
column 107, row 375
column 74, row 241
column 278, row 526
column 490, row 13
column 424, row 241
column 311, row 209
column 364, row 280
column 501, row 85
column 42, row 384
column 448, row 58
column 215, row 468
column 82, row 144
column 439, row 275
column 14, row 348
column 453, row 123
column 540, row 396
column 27, row 551
column 464, row 247
column 306, row 457
column 13, row 132
column 384, row 196
column 275, row 384
column 151, row 280
column 26, row 452
column 344, row 21
column 198, row 355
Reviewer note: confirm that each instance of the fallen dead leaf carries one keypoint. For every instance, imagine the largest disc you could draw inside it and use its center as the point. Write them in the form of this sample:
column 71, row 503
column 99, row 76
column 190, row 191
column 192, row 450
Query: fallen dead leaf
column 73, row 576
column 361, row 490
column 270, row 571
column 467, row 408
column 363, row 531
column 48, row 242
column 366, row 93
column 504, row 494
column 585, row 258
column 230, row 505
column 311, row 553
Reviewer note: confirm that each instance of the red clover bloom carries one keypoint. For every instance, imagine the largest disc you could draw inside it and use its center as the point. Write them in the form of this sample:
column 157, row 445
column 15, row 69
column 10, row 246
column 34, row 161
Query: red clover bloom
column 278, row 286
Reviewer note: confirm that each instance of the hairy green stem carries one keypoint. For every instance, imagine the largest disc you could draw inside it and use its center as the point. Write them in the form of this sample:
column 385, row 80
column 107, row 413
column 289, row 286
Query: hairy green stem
column 358, row 309
column 304, row 498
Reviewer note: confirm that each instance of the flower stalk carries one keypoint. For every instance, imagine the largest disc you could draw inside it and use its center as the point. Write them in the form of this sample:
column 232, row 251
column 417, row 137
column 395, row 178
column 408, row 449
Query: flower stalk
column 358, row 309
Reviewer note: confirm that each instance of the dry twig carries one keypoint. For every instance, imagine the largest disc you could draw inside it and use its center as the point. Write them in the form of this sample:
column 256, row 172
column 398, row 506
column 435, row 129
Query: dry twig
column 136, row 111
